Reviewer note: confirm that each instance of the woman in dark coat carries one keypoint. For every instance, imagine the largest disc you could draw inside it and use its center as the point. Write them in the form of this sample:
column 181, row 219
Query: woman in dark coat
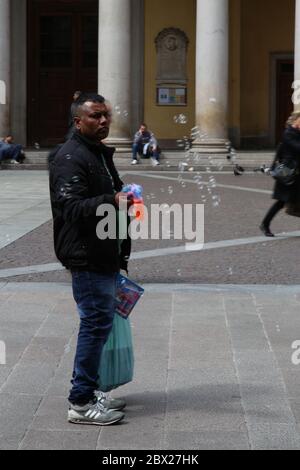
column 289, row 152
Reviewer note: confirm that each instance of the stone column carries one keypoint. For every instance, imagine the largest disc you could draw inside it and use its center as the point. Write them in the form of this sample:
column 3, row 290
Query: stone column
column 4, row 67
column 115, row 66
column 212, row 63
column 297, row 53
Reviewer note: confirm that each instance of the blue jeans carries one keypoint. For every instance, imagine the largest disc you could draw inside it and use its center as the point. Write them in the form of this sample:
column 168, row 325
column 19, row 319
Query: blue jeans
column 95, row 296
column 11, row 151
column 139, row 148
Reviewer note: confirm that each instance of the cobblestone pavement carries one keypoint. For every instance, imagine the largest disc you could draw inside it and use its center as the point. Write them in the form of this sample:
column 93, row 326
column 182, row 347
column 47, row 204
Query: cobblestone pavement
column 244, row 202
column 216, row 334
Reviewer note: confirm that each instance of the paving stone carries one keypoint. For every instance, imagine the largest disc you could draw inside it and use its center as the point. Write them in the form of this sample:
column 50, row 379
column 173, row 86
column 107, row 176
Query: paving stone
column 295, row 405
column 29, row 379
column 60, row 440
column 17, row 412
column 268, row 436
column 44, row 351
column 208, row 440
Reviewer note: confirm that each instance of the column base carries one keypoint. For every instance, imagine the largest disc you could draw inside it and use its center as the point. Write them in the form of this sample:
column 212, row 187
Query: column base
column 211, row 147
column 122, row 145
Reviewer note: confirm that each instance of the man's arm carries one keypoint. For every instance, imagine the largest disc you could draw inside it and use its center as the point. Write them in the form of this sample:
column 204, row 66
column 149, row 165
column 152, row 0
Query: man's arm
column 69, row 182
column 137, row 138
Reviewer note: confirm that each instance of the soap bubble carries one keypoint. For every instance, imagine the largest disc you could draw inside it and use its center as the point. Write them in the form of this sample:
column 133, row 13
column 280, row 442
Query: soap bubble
column 180, row 119
column 216, row 200
column 180, row 143
column 75, row 179
column 37, row 146
column 212, row 100
column 195, row 133
column 182, row 166
column 170, row 190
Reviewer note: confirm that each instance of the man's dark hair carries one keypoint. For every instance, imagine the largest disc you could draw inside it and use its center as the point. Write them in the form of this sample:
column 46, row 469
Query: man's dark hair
column 84, row 98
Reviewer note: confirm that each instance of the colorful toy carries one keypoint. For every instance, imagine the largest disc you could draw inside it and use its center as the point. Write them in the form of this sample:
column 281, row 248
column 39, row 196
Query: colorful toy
column 137, row 192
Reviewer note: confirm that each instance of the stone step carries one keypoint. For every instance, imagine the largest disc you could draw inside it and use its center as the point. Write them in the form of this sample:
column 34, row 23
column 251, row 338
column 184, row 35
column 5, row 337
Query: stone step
column 170, row 161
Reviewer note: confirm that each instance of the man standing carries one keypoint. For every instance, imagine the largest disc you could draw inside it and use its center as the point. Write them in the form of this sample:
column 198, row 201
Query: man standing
column 145, row 144
column 82, row 178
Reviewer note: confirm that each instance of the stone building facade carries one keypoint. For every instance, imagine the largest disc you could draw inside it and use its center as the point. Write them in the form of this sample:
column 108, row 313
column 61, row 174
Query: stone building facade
column 227, row 66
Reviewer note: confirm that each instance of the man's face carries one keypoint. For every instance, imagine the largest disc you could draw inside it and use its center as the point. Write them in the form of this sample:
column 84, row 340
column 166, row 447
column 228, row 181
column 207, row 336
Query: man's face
column 94, row 121
column 143, row 129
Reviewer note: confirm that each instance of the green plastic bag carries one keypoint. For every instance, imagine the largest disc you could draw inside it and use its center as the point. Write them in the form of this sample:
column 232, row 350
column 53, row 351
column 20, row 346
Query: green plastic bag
column 117, row 359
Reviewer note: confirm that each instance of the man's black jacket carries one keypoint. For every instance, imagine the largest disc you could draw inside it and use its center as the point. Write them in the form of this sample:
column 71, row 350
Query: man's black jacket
column 82, row 177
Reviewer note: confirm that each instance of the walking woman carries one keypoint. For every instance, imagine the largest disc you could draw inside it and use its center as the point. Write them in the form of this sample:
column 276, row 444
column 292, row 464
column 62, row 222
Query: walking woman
column 289, row 152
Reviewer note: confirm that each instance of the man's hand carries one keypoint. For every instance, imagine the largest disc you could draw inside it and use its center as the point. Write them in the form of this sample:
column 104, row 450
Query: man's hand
column 124, row 198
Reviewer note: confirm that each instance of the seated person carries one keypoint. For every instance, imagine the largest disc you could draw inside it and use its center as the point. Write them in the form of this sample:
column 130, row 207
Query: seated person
column 11, row 151
column 145, row 145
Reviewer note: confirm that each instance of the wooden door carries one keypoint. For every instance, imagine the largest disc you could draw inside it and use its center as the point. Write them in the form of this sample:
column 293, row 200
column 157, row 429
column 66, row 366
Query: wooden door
column 284, row 92
column 63, row 58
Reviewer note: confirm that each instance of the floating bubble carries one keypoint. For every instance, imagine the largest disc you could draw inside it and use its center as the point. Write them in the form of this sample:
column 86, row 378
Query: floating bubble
column 212, row 100
column 125, row 114
column 180, row 119
column 195, row 132
column 182, row 166
column 191, row 169
column 170, row 190
column 37, row 146
column 75, row 179
column 180, row 143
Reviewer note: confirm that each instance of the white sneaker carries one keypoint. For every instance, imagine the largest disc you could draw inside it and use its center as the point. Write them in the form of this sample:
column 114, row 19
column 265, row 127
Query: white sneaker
column 113, row 404
column 14, row 162
column 93, row 413
column 155, row 162
column 134, row 162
